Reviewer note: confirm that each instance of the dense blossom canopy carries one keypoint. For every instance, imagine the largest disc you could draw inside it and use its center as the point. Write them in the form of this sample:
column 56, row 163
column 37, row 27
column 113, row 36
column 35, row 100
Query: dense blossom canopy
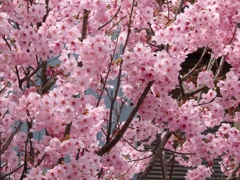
column 68, row 68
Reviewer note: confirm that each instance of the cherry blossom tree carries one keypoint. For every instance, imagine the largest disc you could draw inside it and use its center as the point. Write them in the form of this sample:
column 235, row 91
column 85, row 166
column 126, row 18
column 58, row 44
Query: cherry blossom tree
column 129, row 54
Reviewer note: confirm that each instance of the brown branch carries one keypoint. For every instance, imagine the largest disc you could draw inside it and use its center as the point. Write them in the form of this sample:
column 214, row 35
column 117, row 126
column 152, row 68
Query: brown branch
column 222, row 61
column 27, row 77
column 196, row 65
column 4, row 38
column 116, row 23
column 47, row 10
column 175, row 152
column 162, row 158
column 113, row 102
column 24, row 171
column 10, row 139
column 226, row 169
column 85, row 24
column 157, row 154
column 39, row 24
column 119, row 111
column 140, row 159
column 182, row 88
column 197, row 90
column 108, row 72
column 212, row 171
column 121, row 132
column 172, row 166
column 67, row 129
column 30, row 137
column 220, row 68
column 19, row 167
column 160, row 4
column 133, row 146
column 178, row 9
column 114, row 98
column 205, row 103
column 129, row 27
column 119, row 78
column 40, row 161
column 110, row 19
column 232, row 175
column 104, row 132
column 5, row 113
column 234, row 33
column 65, row 137
column 43, row 76
column 5, row 86
column 50, row 82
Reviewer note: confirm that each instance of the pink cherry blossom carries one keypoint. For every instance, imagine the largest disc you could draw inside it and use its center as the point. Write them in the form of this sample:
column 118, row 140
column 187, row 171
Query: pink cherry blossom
column 100, row 89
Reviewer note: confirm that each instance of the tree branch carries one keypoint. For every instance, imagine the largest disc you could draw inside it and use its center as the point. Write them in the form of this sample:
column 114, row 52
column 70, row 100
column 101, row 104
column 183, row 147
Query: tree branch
column 110, row 19
column 108, row 72
column 172, row 159
column 233, row 173
column 85, row 24
column 129, row 27
column 121, row 132
column 157, row 154
column 119, row 77
column 19, row 167
column 4, row 38
column 178, row 9
column 10, row 139
column 196, row 65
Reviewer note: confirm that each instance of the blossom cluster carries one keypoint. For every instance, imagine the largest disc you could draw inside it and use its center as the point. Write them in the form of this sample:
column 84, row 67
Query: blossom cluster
column 70, row 67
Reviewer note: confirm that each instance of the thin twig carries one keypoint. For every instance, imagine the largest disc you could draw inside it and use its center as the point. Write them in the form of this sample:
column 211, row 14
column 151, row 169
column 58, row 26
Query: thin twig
column 104, row 132
column 112, row 104
column 140, row 159
column 119, row 112
column 226, row 169
column 157, row 154
column 160, row 4
column 233, row 173
column 163, row 164
column 40, row 161
column 110, row 19
column 222, row 61
column 196, row 65
column 108, row 72
column 129, row 27
column 172, row 166
column 133, row 146
column 175, row 152
column 234, row 33
column 4, row 38
column 10, row 139
column 205, row 103
column 6, row 85
column 182, row 88
column 212, row 171
column 24, row 171
column 178, row 9
column 197, row 90
column 20, row 81
column 119, row 76
column 19, row 167
column 121, row 132
column 116, row 23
